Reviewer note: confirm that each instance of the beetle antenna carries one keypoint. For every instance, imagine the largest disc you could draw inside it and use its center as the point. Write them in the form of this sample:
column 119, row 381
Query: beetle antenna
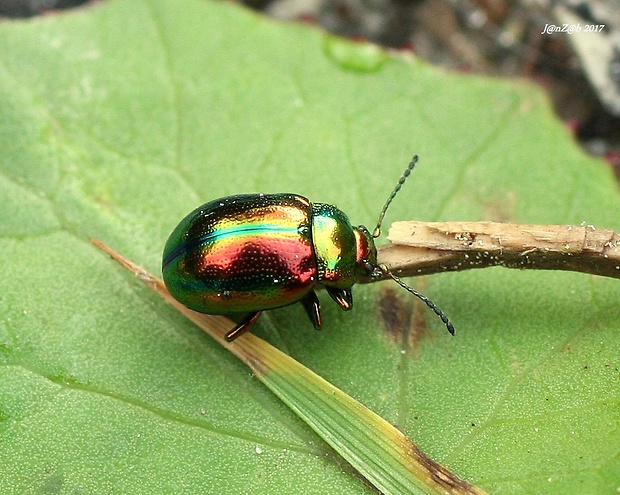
column 423, row 298
column 377, row 232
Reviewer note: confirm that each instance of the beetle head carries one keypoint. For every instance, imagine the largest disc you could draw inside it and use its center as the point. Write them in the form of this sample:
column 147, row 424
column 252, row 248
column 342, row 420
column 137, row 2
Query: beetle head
column 365, row 254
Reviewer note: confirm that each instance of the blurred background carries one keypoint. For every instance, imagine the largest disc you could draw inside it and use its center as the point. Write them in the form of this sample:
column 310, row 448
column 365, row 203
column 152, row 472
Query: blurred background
column 571, row 48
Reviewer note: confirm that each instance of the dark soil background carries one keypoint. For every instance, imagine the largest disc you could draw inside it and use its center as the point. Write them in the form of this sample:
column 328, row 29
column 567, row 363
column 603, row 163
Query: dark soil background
column 496, row 37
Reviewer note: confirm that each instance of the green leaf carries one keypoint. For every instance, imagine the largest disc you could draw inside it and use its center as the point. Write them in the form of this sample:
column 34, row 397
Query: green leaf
column 117, row 120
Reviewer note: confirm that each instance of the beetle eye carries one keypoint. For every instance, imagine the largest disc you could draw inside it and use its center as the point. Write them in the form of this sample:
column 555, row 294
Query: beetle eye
column 369, row 268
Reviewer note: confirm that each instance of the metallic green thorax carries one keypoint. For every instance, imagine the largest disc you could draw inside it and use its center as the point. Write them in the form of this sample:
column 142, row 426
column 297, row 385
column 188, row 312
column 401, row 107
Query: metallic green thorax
column 341, row 250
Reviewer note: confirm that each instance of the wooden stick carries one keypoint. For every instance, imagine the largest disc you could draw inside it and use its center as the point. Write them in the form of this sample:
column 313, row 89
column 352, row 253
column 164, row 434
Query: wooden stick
column 420, row 248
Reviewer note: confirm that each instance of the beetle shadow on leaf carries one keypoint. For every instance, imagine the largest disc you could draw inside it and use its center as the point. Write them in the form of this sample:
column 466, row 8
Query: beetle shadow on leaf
column 403, row 319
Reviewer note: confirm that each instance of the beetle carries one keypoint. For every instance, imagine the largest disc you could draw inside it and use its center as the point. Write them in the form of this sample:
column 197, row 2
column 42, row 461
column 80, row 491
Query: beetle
column 248, row 253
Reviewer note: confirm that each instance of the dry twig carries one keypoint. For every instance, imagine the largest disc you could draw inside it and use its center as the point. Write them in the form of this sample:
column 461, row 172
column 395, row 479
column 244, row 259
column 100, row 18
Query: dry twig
column 420, row 248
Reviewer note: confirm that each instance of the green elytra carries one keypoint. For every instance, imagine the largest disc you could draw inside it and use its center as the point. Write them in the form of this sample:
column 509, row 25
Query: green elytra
column 248, row 253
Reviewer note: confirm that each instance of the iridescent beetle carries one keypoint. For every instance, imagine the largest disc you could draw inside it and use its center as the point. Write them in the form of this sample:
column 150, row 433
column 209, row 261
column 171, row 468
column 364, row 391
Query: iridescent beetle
column 252, row 252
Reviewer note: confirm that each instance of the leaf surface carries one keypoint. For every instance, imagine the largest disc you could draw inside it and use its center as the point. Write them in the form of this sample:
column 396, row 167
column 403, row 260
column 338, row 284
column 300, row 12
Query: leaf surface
column 118, row 119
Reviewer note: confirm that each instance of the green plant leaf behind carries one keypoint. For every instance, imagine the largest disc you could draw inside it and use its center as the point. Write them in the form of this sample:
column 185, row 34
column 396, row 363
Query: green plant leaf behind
column 118, row 119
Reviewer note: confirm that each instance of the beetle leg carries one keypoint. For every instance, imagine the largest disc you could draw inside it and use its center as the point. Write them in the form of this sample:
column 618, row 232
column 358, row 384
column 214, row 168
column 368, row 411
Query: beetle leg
column 243, row 326
column 313, row 308
column 343, row 297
